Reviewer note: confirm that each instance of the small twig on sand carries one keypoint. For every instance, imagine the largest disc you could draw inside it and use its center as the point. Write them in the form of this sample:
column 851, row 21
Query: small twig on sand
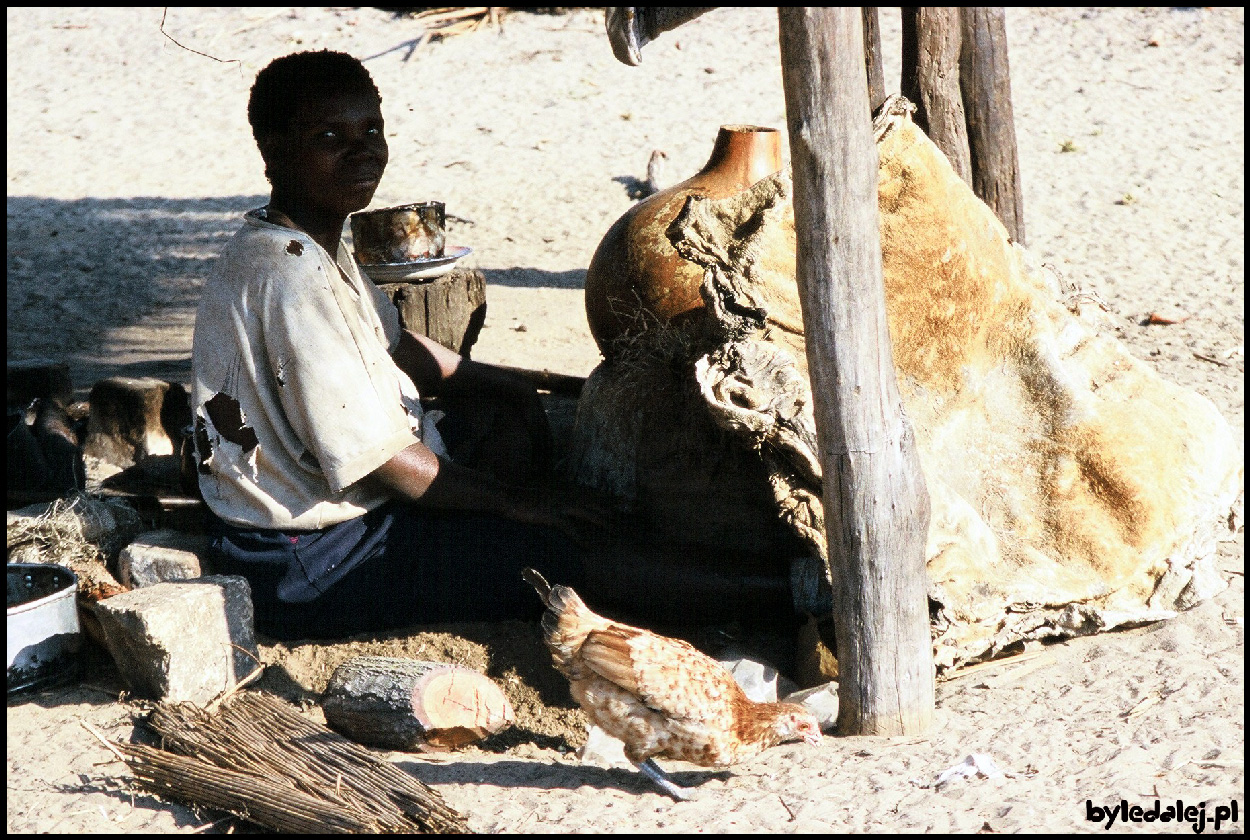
column 105, row 741
column 216, row 702
column 188, row 49
column 1142, row 706
column 994, row 663
column 256, row 23
column 1210, row 359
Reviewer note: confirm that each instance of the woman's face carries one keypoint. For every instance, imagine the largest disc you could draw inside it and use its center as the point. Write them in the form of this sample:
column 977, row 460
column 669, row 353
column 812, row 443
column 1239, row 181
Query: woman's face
column 333, row 156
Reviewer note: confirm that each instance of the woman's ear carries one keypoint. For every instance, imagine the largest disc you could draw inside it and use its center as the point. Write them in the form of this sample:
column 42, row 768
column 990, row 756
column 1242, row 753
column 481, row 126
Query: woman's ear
column 272, row 151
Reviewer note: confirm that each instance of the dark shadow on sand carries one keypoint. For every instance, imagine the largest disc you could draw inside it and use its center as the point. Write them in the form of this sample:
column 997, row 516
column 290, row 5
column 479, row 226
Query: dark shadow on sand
column 79, row 270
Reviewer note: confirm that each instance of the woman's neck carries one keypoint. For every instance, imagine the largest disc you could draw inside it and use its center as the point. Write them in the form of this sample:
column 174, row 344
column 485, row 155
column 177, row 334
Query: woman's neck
column 324, row 230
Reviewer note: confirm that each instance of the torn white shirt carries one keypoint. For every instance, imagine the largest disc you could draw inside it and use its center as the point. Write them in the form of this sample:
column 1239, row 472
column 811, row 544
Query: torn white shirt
column 296, row 396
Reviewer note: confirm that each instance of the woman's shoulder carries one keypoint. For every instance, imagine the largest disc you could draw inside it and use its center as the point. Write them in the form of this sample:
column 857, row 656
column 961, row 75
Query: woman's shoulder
column 262, row 253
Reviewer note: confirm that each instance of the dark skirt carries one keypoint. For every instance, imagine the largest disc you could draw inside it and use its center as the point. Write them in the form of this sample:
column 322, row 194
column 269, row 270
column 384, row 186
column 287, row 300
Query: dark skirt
column 397, row 565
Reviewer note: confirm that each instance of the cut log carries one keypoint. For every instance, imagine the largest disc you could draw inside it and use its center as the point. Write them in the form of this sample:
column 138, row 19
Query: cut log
column 450, row 309
column 407, row 704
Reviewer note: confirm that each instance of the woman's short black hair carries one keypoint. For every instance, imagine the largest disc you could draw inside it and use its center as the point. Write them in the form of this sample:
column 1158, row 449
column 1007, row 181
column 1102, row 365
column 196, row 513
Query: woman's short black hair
column 279, row 86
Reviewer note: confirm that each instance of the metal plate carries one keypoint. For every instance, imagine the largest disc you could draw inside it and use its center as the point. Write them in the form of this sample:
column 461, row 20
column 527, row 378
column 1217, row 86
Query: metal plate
column 425, row 269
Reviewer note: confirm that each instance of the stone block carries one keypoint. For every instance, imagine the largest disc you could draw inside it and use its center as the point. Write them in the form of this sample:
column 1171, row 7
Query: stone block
column 134, row 419
column 33, row 378
column 759, row 680
column 162, row 556
column 182, row 641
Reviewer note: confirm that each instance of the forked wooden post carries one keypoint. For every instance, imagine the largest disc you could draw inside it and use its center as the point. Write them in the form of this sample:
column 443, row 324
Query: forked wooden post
column 876, row 504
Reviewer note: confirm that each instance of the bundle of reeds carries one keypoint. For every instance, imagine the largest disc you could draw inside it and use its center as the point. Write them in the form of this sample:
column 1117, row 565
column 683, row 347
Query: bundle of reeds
column 448, row 21
column 259, row 759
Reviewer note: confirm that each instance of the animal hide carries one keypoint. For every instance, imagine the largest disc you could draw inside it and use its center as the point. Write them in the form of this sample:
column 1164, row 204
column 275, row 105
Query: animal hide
column 1072, row 489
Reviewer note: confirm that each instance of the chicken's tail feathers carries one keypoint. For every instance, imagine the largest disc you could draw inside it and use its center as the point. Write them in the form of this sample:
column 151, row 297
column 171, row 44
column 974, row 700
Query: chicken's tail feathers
column 558, row 599
column 535, row 579
column 565, row 624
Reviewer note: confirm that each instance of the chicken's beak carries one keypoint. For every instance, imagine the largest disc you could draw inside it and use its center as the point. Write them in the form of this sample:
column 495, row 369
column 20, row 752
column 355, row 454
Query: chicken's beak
column 812, row 738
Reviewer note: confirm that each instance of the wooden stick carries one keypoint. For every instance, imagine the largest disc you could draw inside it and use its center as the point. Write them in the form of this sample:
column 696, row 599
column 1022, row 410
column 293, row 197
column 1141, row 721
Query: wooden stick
column 99, row 736
column 932, row 39
column 875, row 501
column 994, row 663
column 438, row 16
column 985, row 81
column 545, row 380
column 872, row 59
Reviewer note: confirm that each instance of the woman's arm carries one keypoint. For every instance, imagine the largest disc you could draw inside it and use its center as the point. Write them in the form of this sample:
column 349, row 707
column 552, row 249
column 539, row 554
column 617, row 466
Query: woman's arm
column 420, row 476
column 437, row 371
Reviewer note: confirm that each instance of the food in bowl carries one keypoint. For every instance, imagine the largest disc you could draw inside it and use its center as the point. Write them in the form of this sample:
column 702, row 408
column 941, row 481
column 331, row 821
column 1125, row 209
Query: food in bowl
column 400, row 234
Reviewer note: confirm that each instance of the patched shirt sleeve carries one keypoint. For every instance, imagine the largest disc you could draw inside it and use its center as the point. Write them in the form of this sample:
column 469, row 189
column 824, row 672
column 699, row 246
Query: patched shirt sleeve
column 336, row 382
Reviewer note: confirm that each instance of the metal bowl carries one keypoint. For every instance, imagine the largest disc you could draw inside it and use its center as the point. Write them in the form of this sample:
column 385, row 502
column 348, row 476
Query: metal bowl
column 400, row 234
column 44, row 637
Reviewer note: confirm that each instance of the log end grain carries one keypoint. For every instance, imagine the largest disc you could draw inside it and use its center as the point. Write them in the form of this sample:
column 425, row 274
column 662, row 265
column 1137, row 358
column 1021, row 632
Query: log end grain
column 406, row 704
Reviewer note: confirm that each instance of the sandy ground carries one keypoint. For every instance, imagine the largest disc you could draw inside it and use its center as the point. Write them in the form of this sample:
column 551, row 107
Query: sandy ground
column 130, row 159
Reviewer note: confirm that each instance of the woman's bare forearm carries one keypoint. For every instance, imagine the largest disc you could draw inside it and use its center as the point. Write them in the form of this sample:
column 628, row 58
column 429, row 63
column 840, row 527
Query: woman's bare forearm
column 420, row 476
column 435, row 371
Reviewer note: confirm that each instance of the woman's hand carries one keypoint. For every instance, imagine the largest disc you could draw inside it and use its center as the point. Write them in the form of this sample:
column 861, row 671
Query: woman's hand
column 577, row 513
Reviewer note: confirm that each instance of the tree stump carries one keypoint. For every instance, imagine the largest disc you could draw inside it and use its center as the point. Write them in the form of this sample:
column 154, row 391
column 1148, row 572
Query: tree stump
column 407, row 704
column 450, row 309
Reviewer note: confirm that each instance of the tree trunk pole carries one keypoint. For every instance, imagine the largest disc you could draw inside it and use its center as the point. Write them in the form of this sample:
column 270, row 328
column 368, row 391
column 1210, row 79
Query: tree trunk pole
column 876, row 504
column 986, row 83
column 872, row 59
column 932, row 39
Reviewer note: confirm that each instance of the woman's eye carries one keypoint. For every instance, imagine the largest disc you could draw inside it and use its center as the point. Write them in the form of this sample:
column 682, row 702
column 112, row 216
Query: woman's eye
column 328, row 135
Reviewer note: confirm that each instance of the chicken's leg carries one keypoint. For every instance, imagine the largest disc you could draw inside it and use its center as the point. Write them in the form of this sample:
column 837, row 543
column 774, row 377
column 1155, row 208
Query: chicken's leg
column 657, row 775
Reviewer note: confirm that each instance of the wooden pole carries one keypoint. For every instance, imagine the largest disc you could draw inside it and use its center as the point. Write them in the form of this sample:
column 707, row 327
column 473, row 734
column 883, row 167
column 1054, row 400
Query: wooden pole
column 932, row 39
column 876, row 504
column 986, row 83
column 872, row 59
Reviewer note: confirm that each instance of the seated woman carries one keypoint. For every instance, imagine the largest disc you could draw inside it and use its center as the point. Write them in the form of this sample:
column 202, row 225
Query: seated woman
column 329, row 490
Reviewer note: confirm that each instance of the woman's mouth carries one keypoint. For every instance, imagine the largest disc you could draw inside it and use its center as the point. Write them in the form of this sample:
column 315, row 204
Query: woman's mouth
column 365, row 179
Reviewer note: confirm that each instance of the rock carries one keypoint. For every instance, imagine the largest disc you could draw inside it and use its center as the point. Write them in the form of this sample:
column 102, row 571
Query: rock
column 603, row 750
column 184, row 641
column 815, row 662
column 160, row 556
column 759, row 680
column 38, row 378
column 133, row 419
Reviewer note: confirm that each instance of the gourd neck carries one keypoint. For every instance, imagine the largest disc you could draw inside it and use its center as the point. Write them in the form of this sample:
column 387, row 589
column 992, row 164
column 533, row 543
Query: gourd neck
column 745, row 154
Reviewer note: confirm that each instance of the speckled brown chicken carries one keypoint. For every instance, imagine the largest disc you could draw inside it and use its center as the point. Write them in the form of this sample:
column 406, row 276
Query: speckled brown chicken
column 660, row 696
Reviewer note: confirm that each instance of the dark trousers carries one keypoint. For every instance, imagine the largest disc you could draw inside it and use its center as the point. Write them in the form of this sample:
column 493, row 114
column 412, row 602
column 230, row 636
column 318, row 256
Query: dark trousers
column 406, row 565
